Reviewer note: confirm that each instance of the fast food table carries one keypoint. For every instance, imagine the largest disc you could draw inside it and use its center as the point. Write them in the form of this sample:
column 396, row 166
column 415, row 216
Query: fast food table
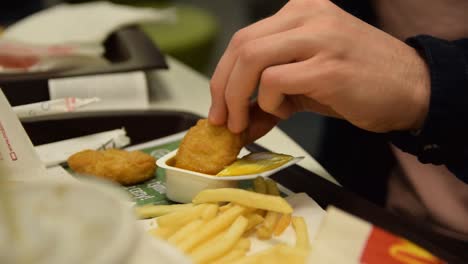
column 179, row 96
column 182, row 89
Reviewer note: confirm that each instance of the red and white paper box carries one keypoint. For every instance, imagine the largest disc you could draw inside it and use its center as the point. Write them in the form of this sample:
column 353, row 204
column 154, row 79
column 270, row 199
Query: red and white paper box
column 344, row 238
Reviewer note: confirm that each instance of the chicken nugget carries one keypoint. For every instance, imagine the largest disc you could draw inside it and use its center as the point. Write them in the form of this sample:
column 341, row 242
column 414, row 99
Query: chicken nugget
column 208, row 149
column 124, row 167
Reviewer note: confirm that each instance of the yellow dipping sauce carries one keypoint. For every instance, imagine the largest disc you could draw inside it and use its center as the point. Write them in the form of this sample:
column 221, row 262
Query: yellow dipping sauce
column 255, row 163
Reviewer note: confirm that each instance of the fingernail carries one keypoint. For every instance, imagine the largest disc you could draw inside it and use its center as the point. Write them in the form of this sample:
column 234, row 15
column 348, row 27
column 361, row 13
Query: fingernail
column 213, row 117
column 231, row 126
column 234, row 128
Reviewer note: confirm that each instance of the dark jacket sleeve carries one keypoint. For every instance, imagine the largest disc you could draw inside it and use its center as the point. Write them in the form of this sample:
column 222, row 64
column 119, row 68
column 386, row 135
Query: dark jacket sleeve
column 443, row 138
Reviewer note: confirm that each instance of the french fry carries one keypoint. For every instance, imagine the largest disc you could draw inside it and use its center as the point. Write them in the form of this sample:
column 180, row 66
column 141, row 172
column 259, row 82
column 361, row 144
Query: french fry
column 223, row 208
column 257, row 258
column 250, row 210
column 150, row 211
column 266, row 230
column 271, row 219
column 185, row 231
column 210, row 233
column 212, row 227
column 231, row 256
column 302, row 234
column 272, row 187
column 213, row 240
column 254, row 220
column 162, row 232
column 260, row 185
column 245, row 198
column 282, row 224
column 182, row 217
column 278, row 254
column 243, row 243
column 211, row 252
column 263, row 233
column 210, row 212
column 238, row 251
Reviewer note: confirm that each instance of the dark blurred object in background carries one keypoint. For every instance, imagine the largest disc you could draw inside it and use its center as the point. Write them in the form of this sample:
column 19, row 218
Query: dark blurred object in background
column 260, row 9
column 11, row 11
column 360, row 160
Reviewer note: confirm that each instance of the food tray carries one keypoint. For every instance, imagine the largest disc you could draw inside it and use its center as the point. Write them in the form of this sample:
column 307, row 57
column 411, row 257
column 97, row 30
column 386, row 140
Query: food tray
column 128, row 49
column 144, row 126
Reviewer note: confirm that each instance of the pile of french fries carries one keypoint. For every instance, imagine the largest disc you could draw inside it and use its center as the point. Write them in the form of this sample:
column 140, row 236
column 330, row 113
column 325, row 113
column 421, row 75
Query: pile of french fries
column 216, row 226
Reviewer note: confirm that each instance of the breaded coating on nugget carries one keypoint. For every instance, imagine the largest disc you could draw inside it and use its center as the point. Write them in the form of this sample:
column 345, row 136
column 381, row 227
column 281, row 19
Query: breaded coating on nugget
column 208, row 149
column 124, row 167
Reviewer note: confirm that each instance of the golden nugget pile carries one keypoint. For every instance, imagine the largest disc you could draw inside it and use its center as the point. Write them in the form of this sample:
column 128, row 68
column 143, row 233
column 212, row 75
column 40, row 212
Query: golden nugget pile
column 208, row 149
column 216, row 227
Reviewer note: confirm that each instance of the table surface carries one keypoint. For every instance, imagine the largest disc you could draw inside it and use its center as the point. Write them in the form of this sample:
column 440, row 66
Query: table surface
column 183, row 89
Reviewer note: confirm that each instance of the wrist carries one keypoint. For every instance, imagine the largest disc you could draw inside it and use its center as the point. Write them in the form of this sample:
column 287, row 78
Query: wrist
column 422, row 92
column 442, row 137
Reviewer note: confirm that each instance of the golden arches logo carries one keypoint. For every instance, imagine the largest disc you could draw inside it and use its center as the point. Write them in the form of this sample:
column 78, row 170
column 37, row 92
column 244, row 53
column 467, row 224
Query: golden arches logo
column 409, row 253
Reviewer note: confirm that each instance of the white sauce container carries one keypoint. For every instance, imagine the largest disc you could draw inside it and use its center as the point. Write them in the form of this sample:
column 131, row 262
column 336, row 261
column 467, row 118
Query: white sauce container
column 182, row 185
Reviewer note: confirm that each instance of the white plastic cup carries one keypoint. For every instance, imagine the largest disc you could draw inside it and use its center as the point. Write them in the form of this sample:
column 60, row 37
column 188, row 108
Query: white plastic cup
column 74, row 222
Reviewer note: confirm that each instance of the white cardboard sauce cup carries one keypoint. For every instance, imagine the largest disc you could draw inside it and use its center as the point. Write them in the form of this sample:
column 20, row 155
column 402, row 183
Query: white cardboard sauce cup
column 182, row 185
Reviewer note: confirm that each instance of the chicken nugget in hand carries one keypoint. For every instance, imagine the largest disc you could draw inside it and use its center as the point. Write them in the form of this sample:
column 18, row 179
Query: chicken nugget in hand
column 208, row 148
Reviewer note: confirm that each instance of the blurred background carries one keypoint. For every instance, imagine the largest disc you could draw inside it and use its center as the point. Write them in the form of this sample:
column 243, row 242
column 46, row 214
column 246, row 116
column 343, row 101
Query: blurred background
column 198, row 39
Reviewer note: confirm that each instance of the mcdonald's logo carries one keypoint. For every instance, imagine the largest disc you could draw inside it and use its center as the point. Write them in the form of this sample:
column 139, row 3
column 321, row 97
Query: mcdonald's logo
column 409, row 253
column 385, row 248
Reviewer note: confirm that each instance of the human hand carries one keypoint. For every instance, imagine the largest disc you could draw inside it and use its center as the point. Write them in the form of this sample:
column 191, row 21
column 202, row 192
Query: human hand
column 313, row 56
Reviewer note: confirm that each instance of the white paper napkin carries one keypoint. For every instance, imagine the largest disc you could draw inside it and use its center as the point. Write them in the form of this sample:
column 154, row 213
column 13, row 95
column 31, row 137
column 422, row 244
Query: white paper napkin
column 18, row 160
column 117, row 91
